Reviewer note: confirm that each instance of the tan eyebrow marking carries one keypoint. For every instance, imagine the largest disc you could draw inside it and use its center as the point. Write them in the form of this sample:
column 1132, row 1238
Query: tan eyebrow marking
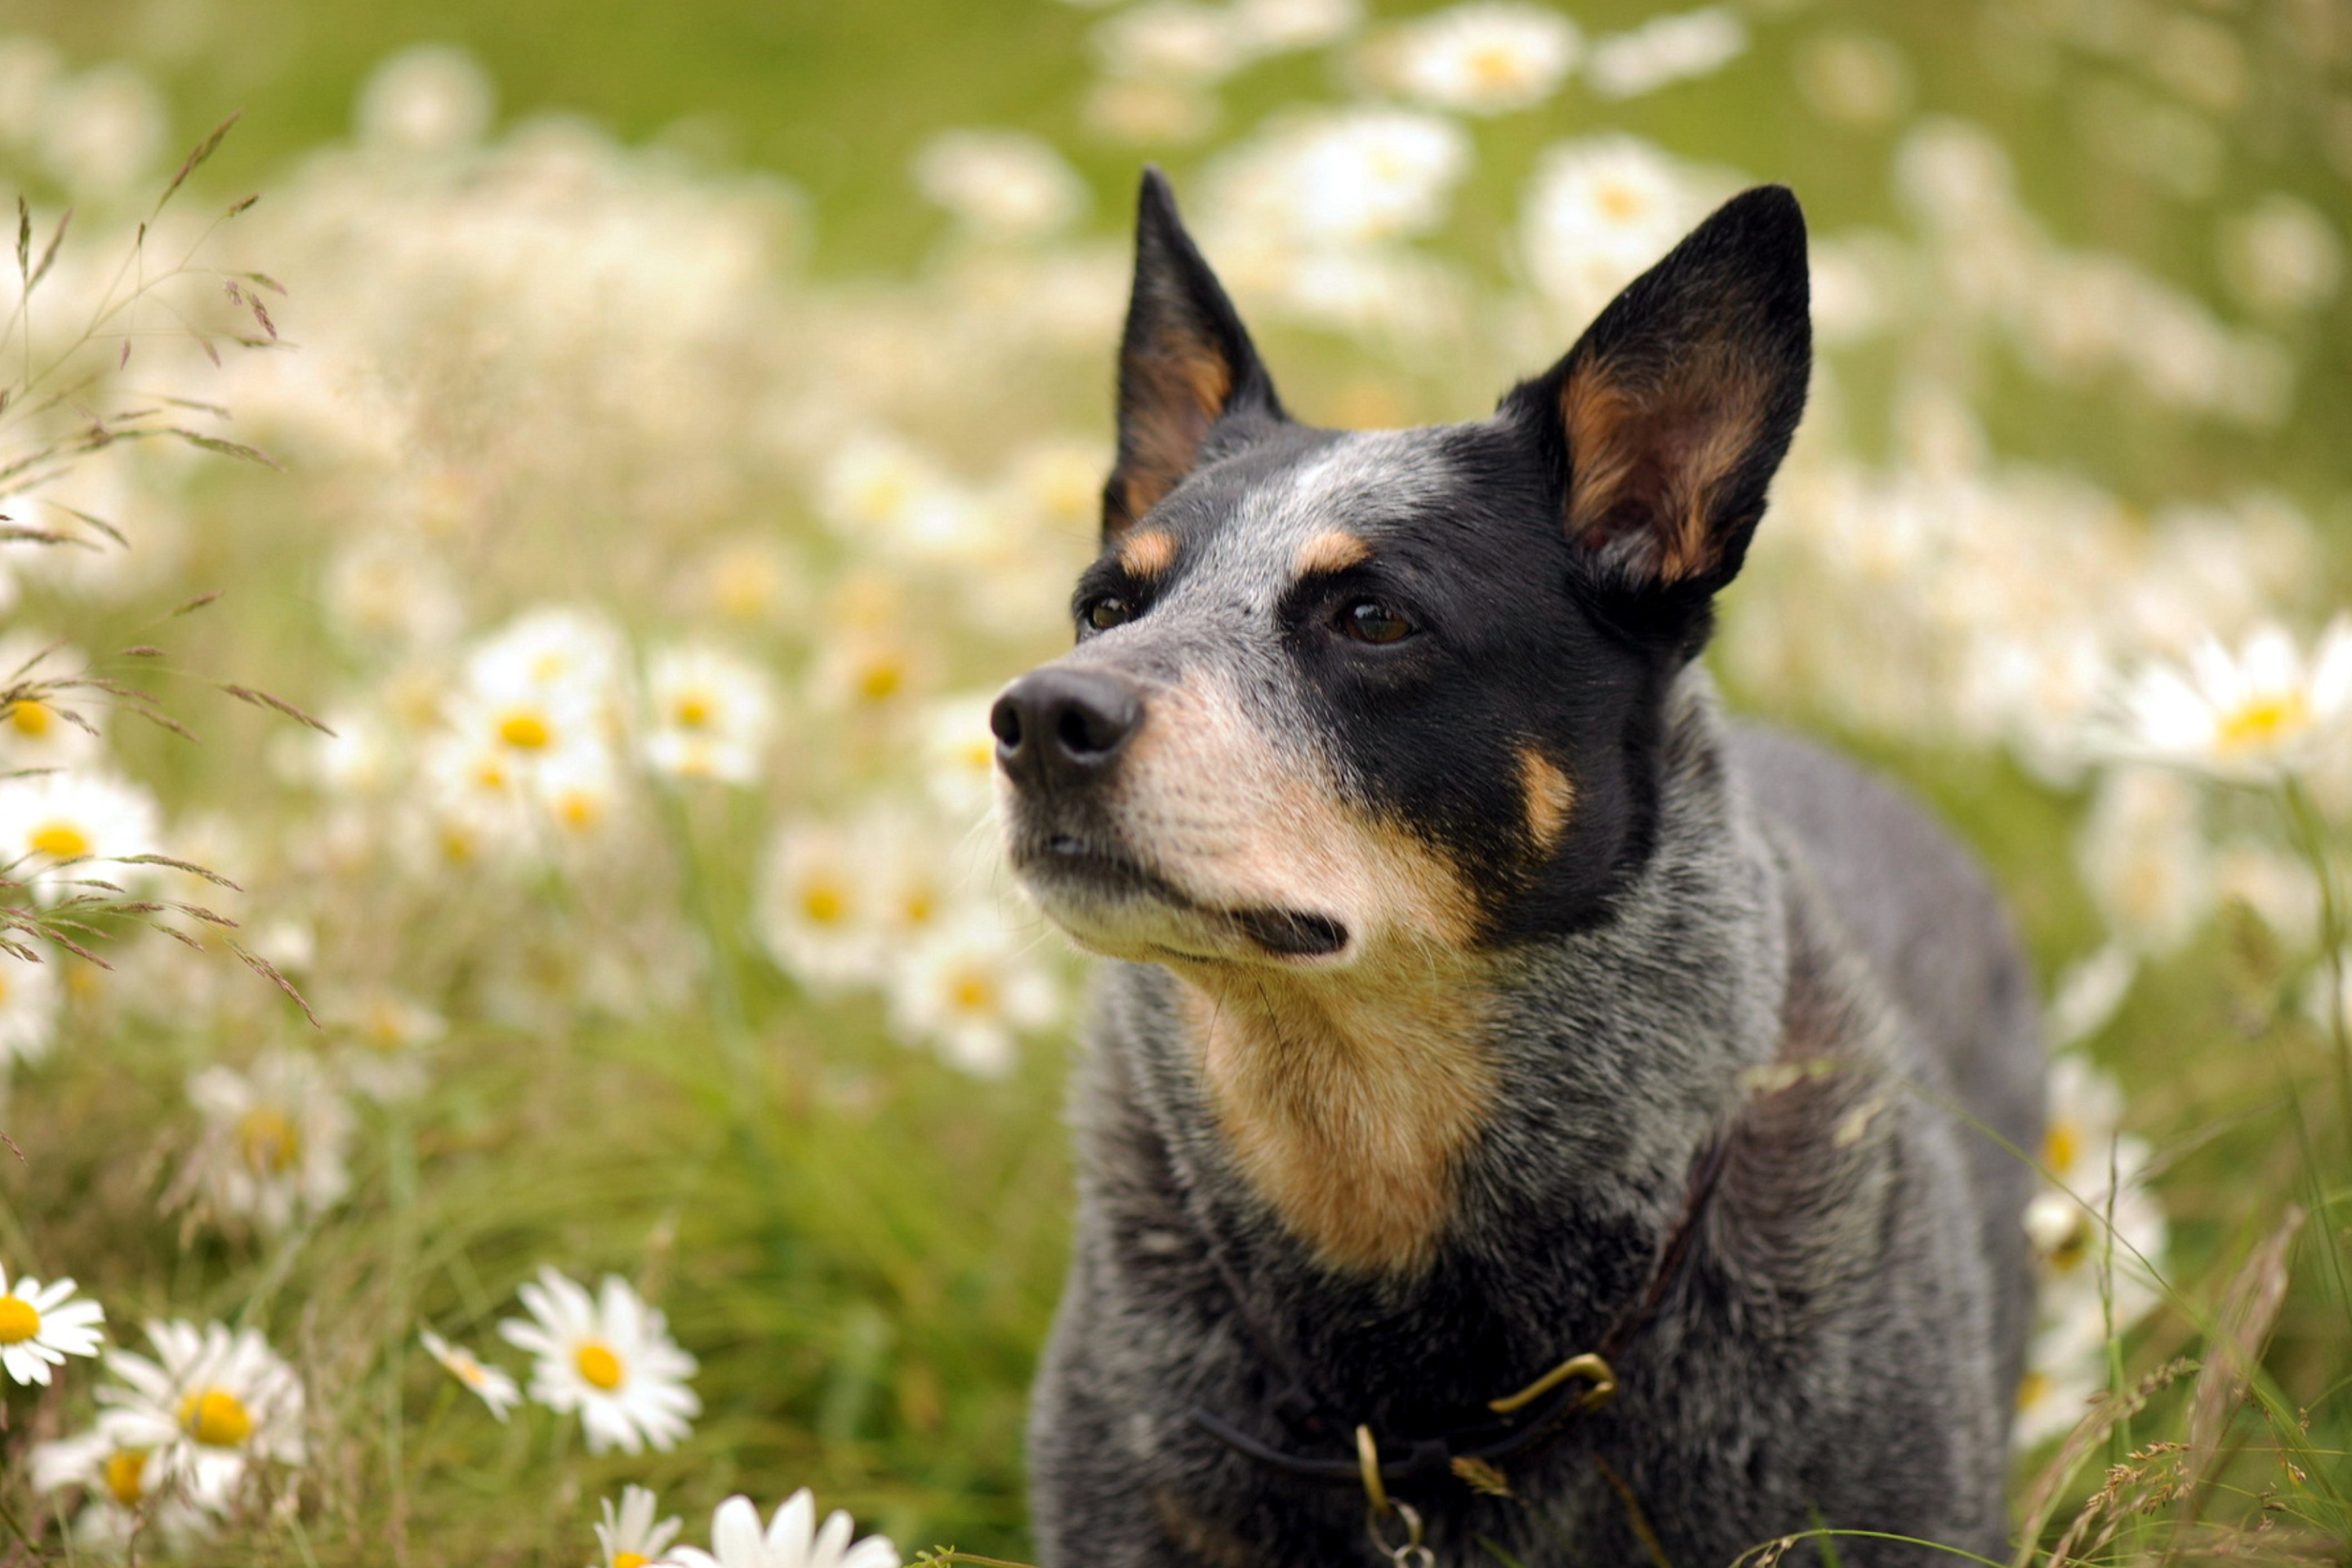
column 1333, row 550
column 1550, row 797
column 1148, row 552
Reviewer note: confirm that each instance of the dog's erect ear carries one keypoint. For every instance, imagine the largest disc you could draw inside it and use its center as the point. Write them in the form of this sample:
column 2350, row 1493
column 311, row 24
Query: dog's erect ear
column 1673, row 409
column 1183, row 365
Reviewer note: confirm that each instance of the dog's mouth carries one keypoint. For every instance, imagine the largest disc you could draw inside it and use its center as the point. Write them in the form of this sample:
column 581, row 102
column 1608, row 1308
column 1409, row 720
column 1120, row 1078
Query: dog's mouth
column 1108, row 901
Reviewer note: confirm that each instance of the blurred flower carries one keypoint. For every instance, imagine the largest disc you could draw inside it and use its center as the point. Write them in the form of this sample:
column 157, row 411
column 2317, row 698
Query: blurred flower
column 820, row 910
column 629, row 1536
column 2143, row 856
column 2088, row 992
column 273, row 1145
column 212, row 1401
column 1173, row 40
column 2060, row 1382
column 387, row 586
column 1855, row 78
column 709, row 715
column 1599, row 212
column 958, row 756
column 610, row 1358
column 2252, row 714
column 879, row 491
column 1133, row 109
column 1321, row 179
column 1001, row 184
column 123, row 1491
column 427, row 100
column 1273, row 25
column 970, row 990
column 47, row 820
column 1664, row 50
column 28, row 1009
column 40, row 1325
column 1488, row 57
column 495, row 1387
column 103, row 130
column 37, row 734
column 2282, row 255
column 792, row 1540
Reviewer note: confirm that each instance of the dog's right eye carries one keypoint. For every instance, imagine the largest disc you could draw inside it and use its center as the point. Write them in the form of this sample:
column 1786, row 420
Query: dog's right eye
column 1110, row 611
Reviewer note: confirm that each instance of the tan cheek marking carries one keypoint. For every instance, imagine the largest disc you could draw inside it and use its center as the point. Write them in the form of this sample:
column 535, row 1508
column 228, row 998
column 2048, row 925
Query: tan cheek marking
column 1551, row 799
column 1333, row 550
column 1346, row 1102
column 1148, row 552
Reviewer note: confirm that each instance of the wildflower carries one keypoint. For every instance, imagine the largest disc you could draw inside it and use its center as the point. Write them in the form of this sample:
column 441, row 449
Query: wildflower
column 1132, row 109
column 792, row 1540
column 28, row 1009
column 1273, row 25
column 1487, row 57
column 2143, row 856
column 49, row 820
column 630, row 1536
column 611, row 1359
column 970, row 990
column 40, row 1325
column 38, row 732
column 958, row 756
column 2252, row 715
column 569, row 658
column 820, row 914
column 2061, row 1377
column 1001, row 184
column 1665, row 49
column 120, row 1482
column 212, row 1403
column 426, row 100
column 388, row 1034
column 1173, row 40
column 1333, row 178
column 496, row 1387
column 1600, row 211
column 386, row 586
column 708, row 715
column 2282, row 255
column 274, row 1138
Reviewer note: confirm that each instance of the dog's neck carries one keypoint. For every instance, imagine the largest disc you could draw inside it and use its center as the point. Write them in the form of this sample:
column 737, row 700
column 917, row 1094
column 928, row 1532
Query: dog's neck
column 1381, row 1126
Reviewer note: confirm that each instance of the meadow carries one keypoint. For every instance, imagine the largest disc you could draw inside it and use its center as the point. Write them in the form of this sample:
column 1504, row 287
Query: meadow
column 496, row 637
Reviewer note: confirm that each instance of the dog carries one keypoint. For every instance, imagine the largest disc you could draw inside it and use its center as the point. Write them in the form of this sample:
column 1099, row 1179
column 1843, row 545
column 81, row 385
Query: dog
column 1530, row 1116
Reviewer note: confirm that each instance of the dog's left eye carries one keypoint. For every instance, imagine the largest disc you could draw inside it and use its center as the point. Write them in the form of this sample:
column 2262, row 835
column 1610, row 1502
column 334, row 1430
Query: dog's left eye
column 1107, row 612
column 1369, row 620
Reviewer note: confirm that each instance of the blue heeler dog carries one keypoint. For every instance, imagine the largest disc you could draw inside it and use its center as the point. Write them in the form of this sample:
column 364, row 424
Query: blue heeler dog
column 1530, row 1114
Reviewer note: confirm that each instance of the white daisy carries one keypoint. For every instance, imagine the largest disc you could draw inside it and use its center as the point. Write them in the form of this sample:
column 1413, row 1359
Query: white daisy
column 40, row 1325
column 210, row 1402
column 1599, row 212
column 1179, row 41
column 496, row 1387
column 53, row 826
column 35, row 732
column 274, row 1140
column 971, row 991
column 610, row 1358
column 819, row 908
column 2252, row 714
column 1489, row 56
column 630, row 1536
column 570, row 658
column 2061, row 1376
column 1665, row 49
column 792, row 1540
column 29, row 995
column 388, row 1034
column 1001, row 184
column 1322, row 179
column 958, row 756
column 2143, row 856
column 708, row 715
column 119, row 1483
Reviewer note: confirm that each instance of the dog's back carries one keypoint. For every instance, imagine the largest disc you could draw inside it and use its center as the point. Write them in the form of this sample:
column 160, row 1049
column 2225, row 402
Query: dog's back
column 1918, row 907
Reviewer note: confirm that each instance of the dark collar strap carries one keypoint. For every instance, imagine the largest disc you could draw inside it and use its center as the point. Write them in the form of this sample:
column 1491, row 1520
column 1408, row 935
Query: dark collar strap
column 1488, row 1441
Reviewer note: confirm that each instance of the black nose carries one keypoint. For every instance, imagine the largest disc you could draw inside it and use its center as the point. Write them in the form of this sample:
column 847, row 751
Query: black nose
column 1060, row 726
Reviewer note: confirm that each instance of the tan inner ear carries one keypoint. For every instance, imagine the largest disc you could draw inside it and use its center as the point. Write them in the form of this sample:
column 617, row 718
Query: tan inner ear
column 1649, row 458
column 1179, row 388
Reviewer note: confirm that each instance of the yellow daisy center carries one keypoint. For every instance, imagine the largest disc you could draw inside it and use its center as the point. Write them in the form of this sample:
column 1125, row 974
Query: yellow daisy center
column 824, row 903
column 215, row 1418
column 880, row 681
column 598, row 1365
column 60, row 840
column 126, row 1471
column 630, row 1560
column 2033, row 1389
column 468, row 1371
column 919, row 906
column 524, row 731
column 266, row 1138
column 693, row 710
column 1621, row 203
column 18, row 1321
column 31, row 718
column 973, row 992
column 2062, row 1145
column 1496, row 65
column 2263, row 720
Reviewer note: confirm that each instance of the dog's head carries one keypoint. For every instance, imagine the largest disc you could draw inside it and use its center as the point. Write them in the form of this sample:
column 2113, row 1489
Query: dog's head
column 1338, row 696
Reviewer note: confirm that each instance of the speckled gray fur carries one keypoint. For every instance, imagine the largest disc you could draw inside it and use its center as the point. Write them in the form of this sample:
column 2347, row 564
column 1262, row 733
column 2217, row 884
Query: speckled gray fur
column 1843, row 1341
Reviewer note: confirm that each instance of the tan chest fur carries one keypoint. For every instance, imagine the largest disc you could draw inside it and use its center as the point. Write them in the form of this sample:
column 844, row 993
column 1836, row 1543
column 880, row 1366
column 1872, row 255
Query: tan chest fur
column 1347, row 1098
